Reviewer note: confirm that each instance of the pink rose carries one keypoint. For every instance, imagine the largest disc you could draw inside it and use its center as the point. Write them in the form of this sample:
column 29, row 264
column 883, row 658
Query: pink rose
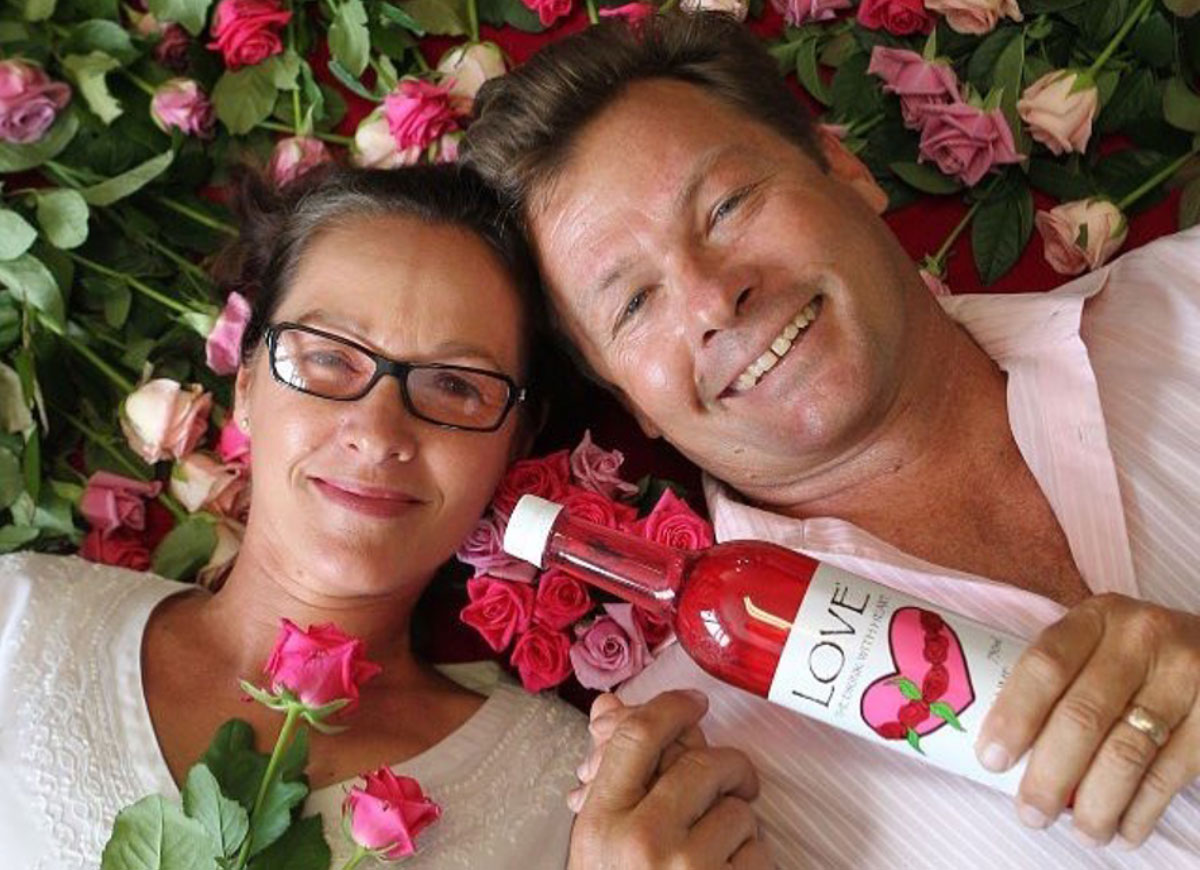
column 467, row 67
column 609, row 651
column 1081, row 235
column 233, row 445
column 966, row 142
column 672, row 522
column 918, row 82
column 796, row 12
column 483, row 550
column 112, row 502
column 162, row 420
column 900, row 17
column 739, row 9
column 498, row 610
column 549, row 11
column 229, row 542
column 419, row 113
column 180, row 104
column 597, row 469
column 295, row 155
column 123, row 547
column 246, row 32
column 319, row 666
column 172, row 48
column 975, row 16
column 29, row 101
column 223, row 348
column 595, row 508
column 546, row 476
column 561, row 599
column 374, row 147
column 656, row 627
column 542, row 658
column 199, row 480
column 1059, row 109
column 633, row 13
column 388, row 812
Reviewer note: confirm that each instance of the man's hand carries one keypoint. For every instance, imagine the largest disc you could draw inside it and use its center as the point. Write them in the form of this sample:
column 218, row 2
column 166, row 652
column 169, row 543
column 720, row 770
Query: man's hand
column 1067, row 698
column 656, row 795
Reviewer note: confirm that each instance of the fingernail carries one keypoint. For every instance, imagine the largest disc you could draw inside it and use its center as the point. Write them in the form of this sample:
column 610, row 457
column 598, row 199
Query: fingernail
column 1085, row 840
column 1123, row 845
column 995, row 758
column 1031, row 816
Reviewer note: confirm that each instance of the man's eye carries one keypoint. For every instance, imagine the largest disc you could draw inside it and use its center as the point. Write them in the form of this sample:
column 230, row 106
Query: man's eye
column 726, row 206
column 635, row 303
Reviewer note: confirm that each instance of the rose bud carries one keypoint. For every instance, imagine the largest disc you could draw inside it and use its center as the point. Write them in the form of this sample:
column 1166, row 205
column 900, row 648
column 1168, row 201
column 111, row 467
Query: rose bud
column 1059, row 109
column 1081, row 235
column 181, row 104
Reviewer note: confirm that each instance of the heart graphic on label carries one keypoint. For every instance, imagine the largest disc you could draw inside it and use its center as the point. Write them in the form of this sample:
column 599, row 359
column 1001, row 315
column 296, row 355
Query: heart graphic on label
column 930, row 685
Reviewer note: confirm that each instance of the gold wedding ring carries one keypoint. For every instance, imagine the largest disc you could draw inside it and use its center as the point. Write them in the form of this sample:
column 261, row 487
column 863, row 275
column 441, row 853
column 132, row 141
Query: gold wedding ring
column 1152, row 726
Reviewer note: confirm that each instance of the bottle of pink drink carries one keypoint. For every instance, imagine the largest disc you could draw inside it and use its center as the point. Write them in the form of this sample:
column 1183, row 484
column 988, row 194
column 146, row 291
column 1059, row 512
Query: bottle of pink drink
column 806, row 635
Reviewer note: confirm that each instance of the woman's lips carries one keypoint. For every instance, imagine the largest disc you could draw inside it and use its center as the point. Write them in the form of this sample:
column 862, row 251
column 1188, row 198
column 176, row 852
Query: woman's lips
column 369, row 500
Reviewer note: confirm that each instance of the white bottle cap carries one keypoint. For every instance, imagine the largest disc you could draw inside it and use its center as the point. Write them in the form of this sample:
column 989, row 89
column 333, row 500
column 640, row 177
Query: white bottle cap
column 529, row 528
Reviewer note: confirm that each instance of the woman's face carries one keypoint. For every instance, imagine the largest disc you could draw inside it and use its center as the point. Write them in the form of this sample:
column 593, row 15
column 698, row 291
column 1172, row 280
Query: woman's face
column 360, row 496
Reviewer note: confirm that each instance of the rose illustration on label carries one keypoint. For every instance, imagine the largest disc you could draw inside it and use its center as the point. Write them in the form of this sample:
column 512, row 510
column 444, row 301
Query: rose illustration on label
column 930, row 686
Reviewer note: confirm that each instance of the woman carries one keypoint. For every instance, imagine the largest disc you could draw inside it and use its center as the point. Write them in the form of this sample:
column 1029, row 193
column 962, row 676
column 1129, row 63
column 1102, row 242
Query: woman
column 382, row 383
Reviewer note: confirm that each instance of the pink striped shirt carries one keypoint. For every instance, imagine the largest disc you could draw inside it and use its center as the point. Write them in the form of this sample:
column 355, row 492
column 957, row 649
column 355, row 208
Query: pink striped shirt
column 1104, row 403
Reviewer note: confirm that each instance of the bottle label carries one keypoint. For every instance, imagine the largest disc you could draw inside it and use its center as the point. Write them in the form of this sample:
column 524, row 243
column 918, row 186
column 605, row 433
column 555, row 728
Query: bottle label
column 885, row 666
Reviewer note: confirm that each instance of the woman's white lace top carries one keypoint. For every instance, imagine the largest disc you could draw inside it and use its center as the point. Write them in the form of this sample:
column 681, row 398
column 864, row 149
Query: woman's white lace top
column 77, row 744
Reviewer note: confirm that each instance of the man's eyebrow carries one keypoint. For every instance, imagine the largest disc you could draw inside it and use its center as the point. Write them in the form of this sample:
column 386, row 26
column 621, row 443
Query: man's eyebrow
column 681, row 206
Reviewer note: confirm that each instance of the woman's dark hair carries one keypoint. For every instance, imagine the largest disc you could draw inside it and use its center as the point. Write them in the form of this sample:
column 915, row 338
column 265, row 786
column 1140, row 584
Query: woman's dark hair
column 278, row 225
column 527, row 121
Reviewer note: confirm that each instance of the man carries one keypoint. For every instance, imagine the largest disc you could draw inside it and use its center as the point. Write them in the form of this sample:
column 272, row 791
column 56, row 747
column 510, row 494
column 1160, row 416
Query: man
column 721, row 266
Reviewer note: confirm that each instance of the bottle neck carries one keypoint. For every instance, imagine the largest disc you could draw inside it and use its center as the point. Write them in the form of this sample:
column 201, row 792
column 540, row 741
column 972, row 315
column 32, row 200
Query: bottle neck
column 641, row 572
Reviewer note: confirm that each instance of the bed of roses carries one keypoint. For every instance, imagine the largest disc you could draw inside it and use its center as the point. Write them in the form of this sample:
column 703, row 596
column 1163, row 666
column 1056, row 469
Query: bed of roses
column 551, row 625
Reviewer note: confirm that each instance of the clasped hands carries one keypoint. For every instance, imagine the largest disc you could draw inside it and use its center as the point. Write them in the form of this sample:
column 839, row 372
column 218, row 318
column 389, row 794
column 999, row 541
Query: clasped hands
column 655, row 794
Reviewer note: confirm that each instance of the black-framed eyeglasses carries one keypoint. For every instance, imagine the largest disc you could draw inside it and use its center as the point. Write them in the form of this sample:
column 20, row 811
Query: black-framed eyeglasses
column 321, row 364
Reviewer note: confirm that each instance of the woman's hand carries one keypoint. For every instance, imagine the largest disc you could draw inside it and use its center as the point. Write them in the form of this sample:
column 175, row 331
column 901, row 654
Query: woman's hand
column 1069, row 699
column 655, row 795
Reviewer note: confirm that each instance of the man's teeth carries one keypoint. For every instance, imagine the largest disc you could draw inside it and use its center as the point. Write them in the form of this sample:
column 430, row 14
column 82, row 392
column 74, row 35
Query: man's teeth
column 778, row 349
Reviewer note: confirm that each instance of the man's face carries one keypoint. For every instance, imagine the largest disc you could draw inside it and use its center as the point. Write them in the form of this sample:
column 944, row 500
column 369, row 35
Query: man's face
column 749, row 305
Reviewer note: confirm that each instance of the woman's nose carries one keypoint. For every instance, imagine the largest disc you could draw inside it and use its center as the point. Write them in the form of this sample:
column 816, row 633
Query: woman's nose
column 378, row 426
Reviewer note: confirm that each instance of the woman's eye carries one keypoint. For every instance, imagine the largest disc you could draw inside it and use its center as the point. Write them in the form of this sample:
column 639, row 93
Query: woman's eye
column 456, row 386
column 635, row 303
column 328, row 360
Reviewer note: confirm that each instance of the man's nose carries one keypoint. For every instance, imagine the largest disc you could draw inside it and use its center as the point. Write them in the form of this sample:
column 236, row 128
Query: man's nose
column 379, row 426
column 715, row 293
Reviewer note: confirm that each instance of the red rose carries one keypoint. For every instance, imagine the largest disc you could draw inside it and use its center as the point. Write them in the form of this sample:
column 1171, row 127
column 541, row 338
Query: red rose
column 892, row 731
column 542, row 658
column 582, row 504
column 120, row 547
column 561, row 599
column 246, row 32
column 318, row 666
column 900, row 17
column 913, row 714
column 674, row 523
column 931, row 622
column 387, row 812
column 498, row 609
column 935, row 684
column 546, row 476
column 937, row 647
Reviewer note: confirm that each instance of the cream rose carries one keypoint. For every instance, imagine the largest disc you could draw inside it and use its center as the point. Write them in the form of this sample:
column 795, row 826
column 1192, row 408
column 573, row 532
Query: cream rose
column 975, row 16
column 1081, row 235
column 1060, row 113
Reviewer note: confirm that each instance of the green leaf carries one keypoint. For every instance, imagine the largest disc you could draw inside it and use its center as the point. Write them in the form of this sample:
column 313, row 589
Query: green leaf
column 16, row 235
column 981, row 68
column 103, row 36
column 908, row 689
column 349, row 40
column 89, row 71
column 39, row 10
column 14, row 407
column 1153, row 40
column 1181, row 106
column 286, row 69
column 1189, row 205
column 295, row 757
column 120, row 186
column 63, row 217
column 275, row 814
column 186, row 548
column 233, row 741
column 914, row 740
column 302, row 847
column 855, row 94
column 1007, row 75
column 809, row 73
column 1060, row 180
column 15, row 536
column 12, row 482
column 1001, row 230
column 1036, row 7
column 925, row 178
column 154, row 834
column 31, row 465
column 945, row 712
column 225, row 820
column 13, row 31
column 190, row 13
column 243, row 99
column 441, row 17
column 1135, row 99
column 514, row 13
column 31, row 282
column 17, row 158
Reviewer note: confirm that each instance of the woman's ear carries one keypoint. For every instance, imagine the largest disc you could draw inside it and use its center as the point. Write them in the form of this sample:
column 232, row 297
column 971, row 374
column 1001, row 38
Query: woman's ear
column 847, row 168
